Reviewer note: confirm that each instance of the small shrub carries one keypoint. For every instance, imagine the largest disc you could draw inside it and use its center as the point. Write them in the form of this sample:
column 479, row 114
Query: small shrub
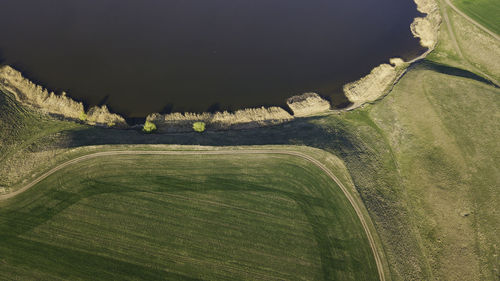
column 83, row 116
column 199, row 127
column 149, row 127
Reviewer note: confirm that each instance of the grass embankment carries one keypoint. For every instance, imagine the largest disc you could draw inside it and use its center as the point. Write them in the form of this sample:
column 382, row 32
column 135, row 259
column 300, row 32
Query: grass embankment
column 486, row 12
column 183, row 217
column 27, row 139
column 444, row 133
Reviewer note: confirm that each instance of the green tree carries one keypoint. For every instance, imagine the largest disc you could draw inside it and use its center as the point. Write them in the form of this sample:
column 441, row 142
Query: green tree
column 199, row 127
column 149, row 127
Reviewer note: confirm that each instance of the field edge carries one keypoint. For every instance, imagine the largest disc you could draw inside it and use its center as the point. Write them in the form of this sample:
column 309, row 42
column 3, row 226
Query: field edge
column 331, row 165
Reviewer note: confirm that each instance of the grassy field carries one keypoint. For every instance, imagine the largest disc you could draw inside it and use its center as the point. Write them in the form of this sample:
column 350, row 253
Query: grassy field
column 444, row 133
column 486, row 12
column 266, row 217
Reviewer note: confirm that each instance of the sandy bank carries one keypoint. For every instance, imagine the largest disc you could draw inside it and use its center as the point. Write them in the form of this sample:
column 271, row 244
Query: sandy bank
column 374, row 85
column 62, row 106
column 427, row 28
column 240, row 119
column 35, row 96
column 306, row 104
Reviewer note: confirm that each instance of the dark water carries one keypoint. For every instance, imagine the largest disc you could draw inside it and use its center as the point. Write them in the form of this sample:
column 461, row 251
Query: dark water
column 143, row 56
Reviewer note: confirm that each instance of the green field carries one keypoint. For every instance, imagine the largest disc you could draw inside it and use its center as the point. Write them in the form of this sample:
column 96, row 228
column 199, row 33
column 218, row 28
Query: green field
column 212, row 217
column 486, row 12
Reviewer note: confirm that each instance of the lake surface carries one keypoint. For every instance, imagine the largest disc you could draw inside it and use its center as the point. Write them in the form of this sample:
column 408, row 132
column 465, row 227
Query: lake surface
column 144, row 56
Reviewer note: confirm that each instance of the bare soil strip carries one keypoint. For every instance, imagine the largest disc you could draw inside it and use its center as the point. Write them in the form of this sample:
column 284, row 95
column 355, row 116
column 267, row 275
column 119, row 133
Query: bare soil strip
column 351, row 199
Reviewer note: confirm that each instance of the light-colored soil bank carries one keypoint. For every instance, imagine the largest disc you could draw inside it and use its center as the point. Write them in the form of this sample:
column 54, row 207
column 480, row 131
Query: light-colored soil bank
column 374, row 85
column 383, row 77
column 240, row 119
column 37, row 97
column 307, row 104
column 427, row 28
column 303, row 105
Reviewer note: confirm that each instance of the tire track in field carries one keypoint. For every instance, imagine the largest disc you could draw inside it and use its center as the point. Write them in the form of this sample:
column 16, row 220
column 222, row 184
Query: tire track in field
column 377, row 256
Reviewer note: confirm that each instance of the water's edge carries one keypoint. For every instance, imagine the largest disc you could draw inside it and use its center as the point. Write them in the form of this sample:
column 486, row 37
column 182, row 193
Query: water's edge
column 365, row 90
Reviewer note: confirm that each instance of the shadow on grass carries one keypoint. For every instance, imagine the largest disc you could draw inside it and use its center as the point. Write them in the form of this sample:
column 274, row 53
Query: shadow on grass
column 302, row 131
column 454, row 71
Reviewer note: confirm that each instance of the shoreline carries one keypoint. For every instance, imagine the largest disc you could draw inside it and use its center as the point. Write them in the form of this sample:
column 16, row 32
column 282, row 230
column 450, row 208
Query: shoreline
column 367, row 89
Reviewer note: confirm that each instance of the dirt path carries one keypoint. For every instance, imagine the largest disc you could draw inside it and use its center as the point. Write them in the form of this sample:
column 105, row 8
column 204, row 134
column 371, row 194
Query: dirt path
column 471, row 20
column 317, row 163
column 452, row 33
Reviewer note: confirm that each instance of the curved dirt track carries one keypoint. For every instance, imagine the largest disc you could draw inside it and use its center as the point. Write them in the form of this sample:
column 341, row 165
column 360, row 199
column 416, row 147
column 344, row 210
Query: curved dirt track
column 317, row 163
